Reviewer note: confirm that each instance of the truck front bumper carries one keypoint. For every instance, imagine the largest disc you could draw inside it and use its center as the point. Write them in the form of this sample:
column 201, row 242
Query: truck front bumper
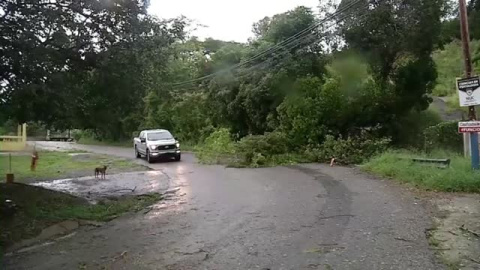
column 165, row 153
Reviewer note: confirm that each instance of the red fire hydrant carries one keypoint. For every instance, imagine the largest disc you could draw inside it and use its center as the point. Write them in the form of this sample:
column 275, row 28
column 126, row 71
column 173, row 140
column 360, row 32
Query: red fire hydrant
column 33, row 165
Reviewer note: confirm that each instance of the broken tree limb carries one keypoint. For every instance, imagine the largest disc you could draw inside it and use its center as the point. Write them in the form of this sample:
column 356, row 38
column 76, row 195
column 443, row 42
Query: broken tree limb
column 465, row 229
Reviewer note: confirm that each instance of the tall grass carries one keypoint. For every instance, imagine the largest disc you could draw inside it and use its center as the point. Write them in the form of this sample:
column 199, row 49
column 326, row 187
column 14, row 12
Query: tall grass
column 398, row 165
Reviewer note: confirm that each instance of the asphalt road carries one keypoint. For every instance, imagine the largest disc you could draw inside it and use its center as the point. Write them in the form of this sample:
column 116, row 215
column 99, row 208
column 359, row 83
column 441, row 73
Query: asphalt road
column 298, row 217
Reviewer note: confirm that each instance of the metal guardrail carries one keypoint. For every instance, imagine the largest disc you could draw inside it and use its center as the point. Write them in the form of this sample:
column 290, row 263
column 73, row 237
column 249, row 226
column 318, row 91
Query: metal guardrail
column 442, row 163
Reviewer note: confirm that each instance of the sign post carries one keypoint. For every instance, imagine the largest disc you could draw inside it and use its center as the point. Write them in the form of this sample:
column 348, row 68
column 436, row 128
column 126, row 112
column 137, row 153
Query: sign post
column 467, row 85
column 469, row 95
column 472, row 127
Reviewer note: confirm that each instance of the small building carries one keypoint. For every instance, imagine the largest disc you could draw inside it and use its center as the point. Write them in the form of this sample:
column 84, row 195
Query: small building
column 14, row 143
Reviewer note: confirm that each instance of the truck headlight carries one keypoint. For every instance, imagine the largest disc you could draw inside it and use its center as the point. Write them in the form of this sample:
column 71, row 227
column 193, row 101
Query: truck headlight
column 178, row 145
column 153, row 147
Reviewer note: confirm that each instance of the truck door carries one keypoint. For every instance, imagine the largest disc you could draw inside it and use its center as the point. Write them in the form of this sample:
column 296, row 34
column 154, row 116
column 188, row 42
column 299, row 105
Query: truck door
column 142, row 147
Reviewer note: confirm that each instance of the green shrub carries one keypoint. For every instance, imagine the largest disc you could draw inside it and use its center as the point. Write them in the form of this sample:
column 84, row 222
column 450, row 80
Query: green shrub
column 256, row 148
column 8, row 128
column 352, row 150
column 255, row 151
column 412, row 126
column 77, row 135
column 216, row 146
column 444, row 136
column 36, row 129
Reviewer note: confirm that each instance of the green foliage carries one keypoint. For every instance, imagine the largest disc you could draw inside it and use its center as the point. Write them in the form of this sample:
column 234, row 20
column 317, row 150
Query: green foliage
column 190, row 118
column 92, row 79
column 451, row 25
column 36, row 129
column 9, row 127
column 217, row 146
column 77, row 135
column 411, row 127
column 288, row 98
column 397, row 39
column 271, row 149
column 347, row 100
column 444, row 136
column 459, row 177
column 450, row 66
column 285, row 25
column 352, row 150
column 256, row 149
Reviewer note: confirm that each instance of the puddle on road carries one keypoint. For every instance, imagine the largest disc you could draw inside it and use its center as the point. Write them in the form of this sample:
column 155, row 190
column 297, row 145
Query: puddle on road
column 93, row 189
column 177, row 196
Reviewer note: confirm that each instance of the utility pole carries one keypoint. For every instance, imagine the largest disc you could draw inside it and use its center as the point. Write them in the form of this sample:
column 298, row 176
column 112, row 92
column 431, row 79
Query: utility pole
column 468, row 73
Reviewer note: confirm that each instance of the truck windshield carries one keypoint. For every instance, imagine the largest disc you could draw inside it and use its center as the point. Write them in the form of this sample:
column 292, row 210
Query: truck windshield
column 158, row 136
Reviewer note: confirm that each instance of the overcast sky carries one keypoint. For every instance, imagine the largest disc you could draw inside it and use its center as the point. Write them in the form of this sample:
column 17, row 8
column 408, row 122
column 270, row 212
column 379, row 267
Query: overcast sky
column 225, row 19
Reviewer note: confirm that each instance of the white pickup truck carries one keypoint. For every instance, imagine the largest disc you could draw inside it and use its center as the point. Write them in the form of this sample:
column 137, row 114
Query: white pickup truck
column 156, row 143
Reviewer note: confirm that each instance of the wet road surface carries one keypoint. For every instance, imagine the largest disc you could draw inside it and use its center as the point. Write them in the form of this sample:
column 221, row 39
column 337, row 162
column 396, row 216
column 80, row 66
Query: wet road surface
column 297, row 217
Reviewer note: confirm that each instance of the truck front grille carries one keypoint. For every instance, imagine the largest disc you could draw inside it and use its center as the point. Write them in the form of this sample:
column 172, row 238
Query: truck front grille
column 166, row 147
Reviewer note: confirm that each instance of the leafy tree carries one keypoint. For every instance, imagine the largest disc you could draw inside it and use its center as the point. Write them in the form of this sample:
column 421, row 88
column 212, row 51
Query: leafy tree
column 398, row 38
column 80, row 63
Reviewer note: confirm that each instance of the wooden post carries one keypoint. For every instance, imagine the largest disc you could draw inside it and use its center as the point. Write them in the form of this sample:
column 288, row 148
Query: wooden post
column 468, row 73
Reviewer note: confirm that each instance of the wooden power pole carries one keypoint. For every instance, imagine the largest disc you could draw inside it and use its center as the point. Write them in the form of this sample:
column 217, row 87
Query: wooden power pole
column 468, row 73
column 466, row 50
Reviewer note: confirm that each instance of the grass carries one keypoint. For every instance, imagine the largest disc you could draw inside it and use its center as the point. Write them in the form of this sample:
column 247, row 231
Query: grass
column 39, row 208
column 398, row 165
column 55, row 165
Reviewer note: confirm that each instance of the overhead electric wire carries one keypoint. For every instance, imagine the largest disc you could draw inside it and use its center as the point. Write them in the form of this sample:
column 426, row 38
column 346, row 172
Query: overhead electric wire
column 275, row 47
column 279, row 57
column 286, row 51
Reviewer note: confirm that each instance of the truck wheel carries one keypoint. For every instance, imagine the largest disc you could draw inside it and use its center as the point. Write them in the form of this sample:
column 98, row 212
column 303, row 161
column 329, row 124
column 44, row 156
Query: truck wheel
column 178, row 157
column 149, row 159
column 137, row 154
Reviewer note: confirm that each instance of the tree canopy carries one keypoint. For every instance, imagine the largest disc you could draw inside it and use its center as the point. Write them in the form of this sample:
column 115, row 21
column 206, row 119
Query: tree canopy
column 111, row 68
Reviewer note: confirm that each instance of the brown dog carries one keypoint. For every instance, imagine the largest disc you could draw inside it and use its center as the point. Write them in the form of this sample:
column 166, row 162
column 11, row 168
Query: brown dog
column 101, row 171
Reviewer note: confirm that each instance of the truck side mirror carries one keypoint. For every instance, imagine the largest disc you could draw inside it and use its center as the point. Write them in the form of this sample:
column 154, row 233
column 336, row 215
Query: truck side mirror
column 143, row 140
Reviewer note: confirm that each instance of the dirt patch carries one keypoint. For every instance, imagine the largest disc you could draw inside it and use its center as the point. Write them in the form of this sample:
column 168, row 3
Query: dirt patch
column 457, row 234
column 30, row 215
column 38, row 214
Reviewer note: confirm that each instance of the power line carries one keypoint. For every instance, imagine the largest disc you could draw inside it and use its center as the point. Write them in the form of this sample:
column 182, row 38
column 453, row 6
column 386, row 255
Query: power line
column 304, row 31
column 275, row 47
column 267, row 62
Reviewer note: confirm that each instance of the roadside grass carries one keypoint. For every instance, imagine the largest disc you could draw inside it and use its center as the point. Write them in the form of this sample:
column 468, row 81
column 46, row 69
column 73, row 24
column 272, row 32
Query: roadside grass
column 91, row 141
column 56, row 165
column 398, row 165
column 38, row 208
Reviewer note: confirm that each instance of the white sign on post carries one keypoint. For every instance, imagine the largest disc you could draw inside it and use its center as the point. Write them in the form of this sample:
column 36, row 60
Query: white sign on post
column 469, row 91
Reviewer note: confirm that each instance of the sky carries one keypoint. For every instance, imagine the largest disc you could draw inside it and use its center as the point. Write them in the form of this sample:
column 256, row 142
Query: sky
column 229, row 20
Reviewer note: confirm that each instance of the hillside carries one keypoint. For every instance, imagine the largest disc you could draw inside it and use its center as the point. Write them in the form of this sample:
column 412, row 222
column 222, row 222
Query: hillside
column 449, row 63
